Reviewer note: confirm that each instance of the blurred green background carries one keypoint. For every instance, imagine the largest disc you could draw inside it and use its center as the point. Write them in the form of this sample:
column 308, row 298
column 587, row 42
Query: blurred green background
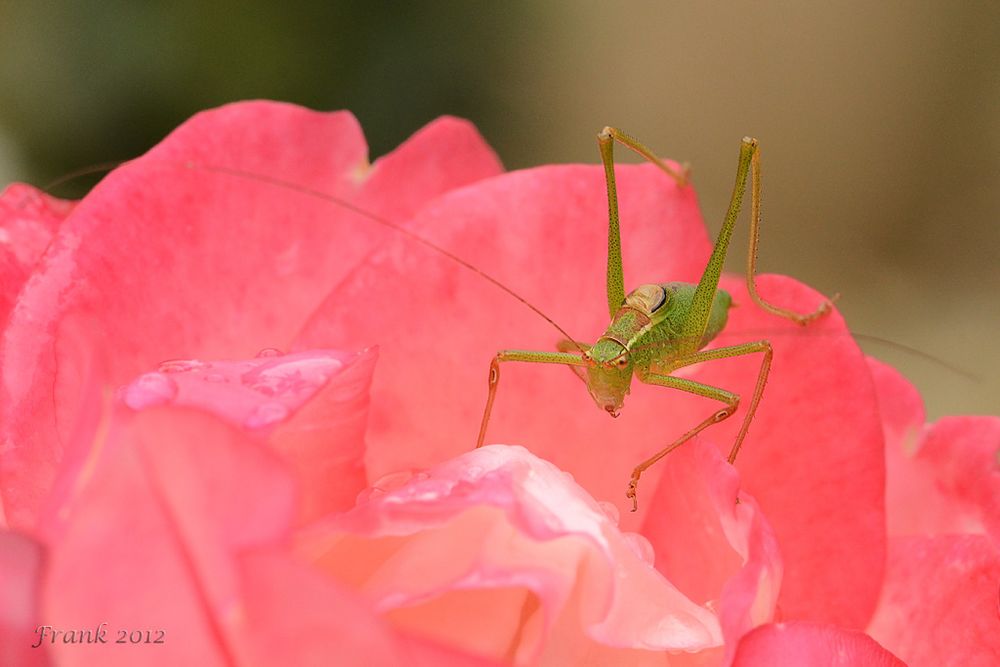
column 880, row 122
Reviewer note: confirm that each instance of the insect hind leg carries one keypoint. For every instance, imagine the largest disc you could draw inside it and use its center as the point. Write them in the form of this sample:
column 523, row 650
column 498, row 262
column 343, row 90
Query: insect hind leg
column 730, row 399
column 799, row 318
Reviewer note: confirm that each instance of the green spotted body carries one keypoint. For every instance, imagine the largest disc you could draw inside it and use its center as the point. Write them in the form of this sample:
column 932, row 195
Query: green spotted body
column 644, row 336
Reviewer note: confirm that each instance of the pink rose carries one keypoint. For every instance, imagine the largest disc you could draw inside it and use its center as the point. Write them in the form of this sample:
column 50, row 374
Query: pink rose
column 163, row 476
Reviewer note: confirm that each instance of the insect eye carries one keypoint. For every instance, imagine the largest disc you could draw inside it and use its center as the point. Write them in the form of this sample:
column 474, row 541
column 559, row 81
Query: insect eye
column 622, row 362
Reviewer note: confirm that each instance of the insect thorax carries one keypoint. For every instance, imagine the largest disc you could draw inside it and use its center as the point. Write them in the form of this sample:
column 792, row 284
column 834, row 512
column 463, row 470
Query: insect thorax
column 650, row 320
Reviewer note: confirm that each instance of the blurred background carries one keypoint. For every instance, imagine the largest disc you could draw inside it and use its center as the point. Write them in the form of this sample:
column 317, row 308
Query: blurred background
column 879, row 122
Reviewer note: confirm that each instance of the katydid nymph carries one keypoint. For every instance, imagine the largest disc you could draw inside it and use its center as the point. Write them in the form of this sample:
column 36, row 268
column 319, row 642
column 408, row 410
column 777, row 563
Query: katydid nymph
column 658, row 328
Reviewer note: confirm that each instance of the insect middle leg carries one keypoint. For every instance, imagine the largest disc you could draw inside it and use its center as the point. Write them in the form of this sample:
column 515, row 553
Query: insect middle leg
column 729, row 398
column 528, row 356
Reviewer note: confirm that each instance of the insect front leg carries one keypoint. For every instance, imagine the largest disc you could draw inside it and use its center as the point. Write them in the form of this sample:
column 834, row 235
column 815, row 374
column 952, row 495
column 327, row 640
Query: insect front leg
column 566, row 345
column 529, row 356
column 729, row 398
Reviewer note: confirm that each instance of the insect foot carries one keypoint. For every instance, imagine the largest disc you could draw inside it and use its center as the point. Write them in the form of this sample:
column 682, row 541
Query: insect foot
column 633, row 486
column 823, row 309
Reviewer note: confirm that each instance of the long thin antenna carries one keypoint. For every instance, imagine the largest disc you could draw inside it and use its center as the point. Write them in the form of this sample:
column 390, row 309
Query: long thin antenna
column 71, row 176
column 799, row 333
column 83, row 171
column 295, row 187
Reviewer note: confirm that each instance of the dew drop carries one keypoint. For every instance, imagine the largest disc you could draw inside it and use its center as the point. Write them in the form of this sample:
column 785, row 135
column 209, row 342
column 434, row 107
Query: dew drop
column 269, row 352
column 640, row 546
column 389, row 483
column 610, row 510
column 368, row 495
column 148, row 390
column 292, row 375
column 181, row 365
column 266, row 414
column 393, row 480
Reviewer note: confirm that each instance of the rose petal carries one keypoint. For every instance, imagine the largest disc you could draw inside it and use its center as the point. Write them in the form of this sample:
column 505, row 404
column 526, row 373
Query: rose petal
column 21, row 566
column 515, row 562
column 167, row 258
column 181, row 527
column 323, row 441
column 310, row 406
column 302, row 618
column 28, row 220
column 809, row 644
column 952, row 482
column 714, row 550
column 941, row 479
column 814, row 458
column 939, row 605
column 902, row 411
column 170, row 495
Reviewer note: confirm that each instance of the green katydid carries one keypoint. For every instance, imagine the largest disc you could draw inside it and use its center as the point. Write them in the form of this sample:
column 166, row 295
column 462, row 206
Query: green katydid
column 659, row 328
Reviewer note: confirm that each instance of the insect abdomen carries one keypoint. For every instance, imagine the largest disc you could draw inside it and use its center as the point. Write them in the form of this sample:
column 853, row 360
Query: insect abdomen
column 680, row 297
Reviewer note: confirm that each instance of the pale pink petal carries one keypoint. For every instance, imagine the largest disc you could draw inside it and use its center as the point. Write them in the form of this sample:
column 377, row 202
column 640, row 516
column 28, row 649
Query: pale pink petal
column 147, row 544
column 174, row 255
column 940, row 601
column 501, row 554
column 303, row 618
column 309, row 406
column 810, row 644
column 28, row 220
column 715, row 550
column 21, row 568
column 181, row 525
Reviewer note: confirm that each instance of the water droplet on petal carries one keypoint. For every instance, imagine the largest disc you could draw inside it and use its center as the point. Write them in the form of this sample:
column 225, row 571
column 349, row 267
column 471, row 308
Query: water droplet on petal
column 266, row 414
column 269, row 352
column 393, row 480
column 610, row 510
column 389, row 483
column 368, row 495
column 294, row 376
column 640, row 546
column 181, row 365
column 148, row 390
